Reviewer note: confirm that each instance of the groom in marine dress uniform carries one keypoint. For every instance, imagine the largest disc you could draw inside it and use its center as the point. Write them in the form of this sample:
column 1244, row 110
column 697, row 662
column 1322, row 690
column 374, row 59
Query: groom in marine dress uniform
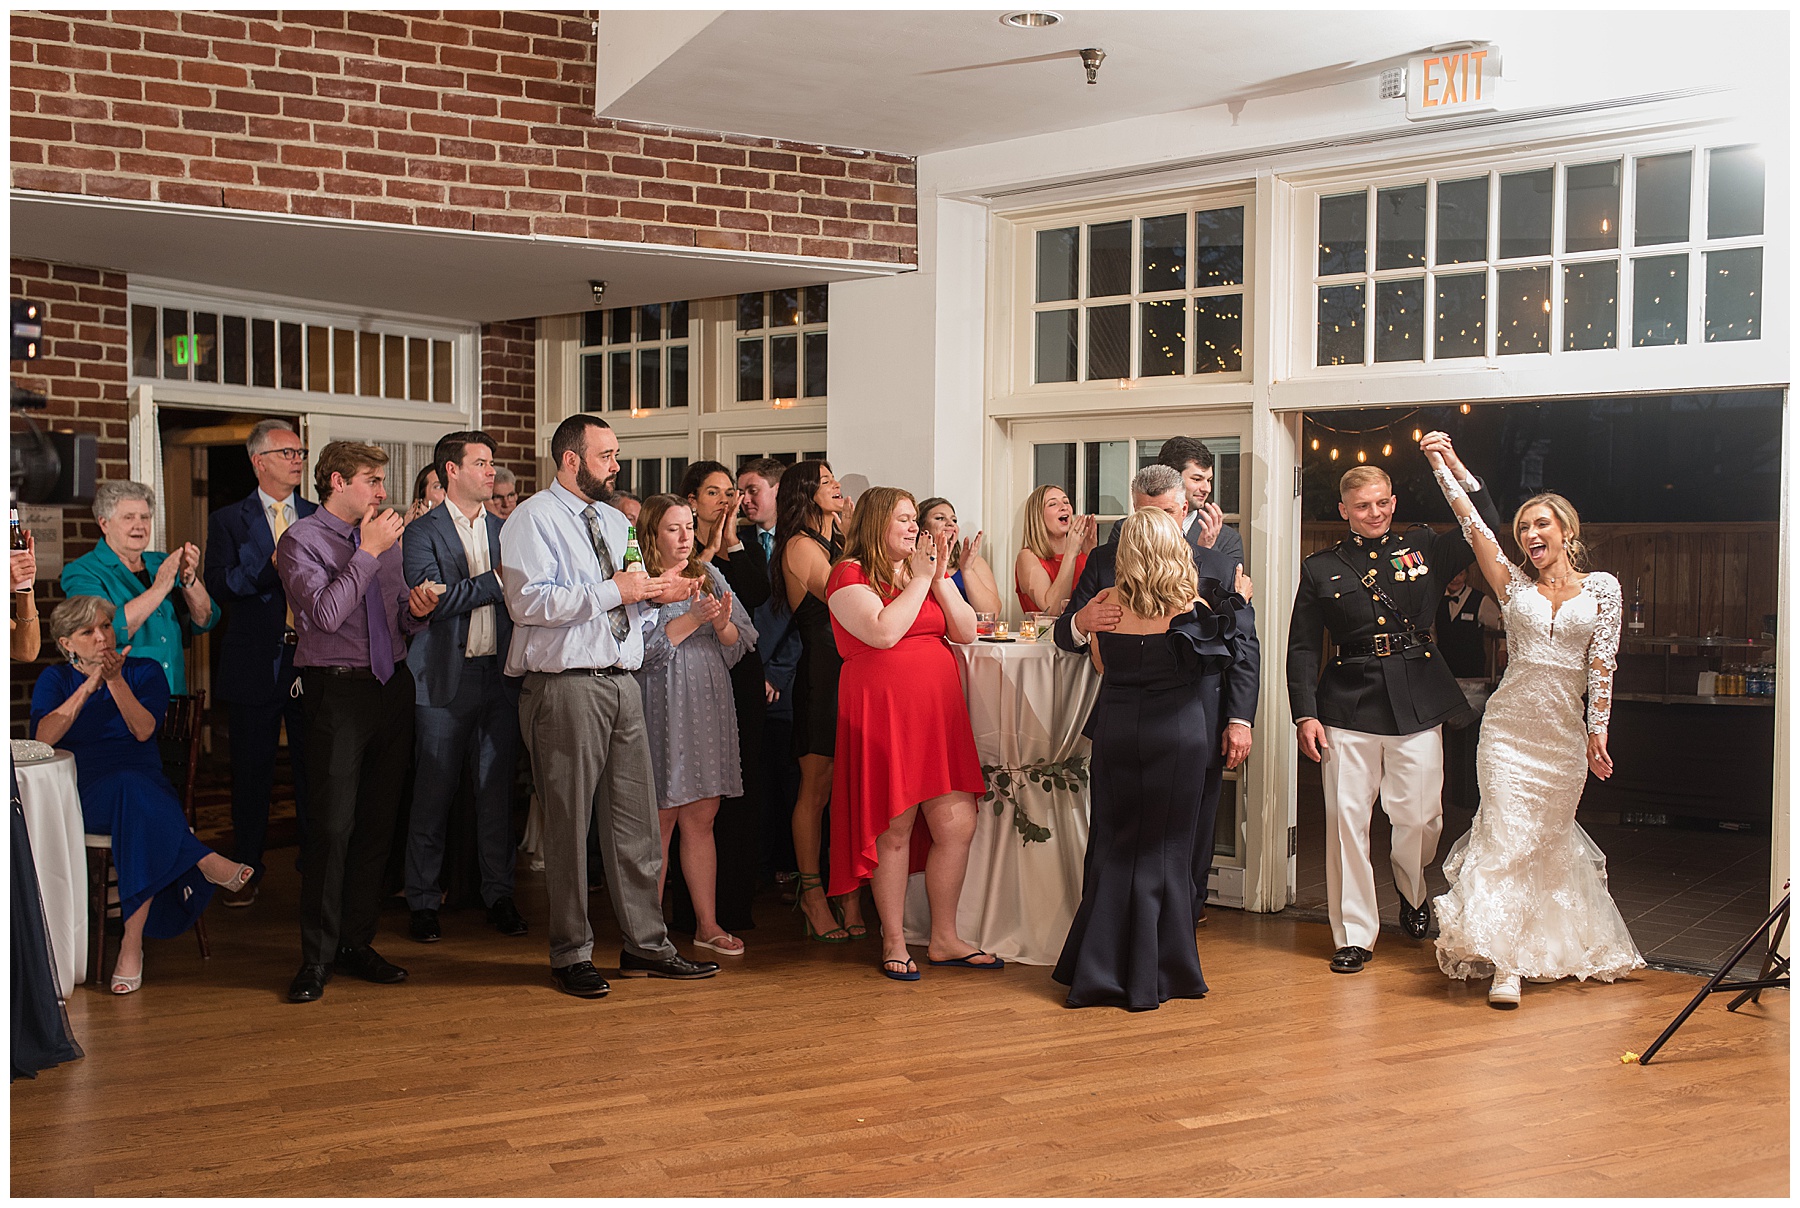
column 1374, row 719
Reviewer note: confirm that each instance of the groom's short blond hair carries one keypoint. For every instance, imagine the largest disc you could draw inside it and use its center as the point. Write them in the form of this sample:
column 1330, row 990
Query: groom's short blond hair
column 1357, row 477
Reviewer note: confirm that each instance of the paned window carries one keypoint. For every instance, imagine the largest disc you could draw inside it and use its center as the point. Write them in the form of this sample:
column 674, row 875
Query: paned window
column 1150, row 296
column 1569, row 257
column 1097, row 474
column 636, row 358
column 217, row 347
column 647, row 476
column 781, row 346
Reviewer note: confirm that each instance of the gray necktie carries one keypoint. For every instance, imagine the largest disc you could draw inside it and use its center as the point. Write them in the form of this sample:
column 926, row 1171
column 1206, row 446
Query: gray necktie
column 621, row 624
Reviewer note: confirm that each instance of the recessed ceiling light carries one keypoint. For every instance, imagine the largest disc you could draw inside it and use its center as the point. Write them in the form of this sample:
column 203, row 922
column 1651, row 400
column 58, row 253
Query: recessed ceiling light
column 1031, row 20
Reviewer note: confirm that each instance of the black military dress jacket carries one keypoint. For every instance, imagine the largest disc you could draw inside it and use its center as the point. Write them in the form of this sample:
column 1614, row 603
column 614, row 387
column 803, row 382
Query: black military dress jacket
column 1400, row 693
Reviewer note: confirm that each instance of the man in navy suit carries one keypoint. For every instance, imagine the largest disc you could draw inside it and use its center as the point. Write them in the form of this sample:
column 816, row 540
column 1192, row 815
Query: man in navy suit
column 467, row 717
column 255, row 679
column 1091, row 610
column 1205, row 526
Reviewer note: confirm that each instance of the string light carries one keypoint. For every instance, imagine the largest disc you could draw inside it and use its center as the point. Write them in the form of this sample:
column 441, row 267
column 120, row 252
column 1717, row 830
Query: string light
column 1387, row 450
column 1418, row 435
column 1334, row 455
column 1464, row 408
column 1361, row 456
column 1315, row 444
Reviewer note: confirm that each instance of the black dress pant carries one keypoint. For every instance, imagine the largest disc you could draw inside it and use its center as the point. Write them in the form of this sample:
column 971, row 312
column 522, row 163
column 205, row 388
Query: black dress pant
column 255, row 739
column 359, row 745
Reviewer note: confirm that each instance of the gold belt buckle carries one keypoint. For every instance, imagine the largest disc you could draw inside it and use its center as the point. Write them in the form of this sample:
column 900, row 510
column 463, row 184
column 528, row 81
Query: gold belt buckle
column 1384, row 645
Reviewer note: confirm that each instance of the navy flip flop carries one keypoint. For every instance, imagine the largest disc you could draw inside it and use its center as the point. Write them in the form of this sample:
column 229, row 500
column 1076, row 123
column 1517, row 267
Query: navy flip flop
column 964, row 962
column 907, row 973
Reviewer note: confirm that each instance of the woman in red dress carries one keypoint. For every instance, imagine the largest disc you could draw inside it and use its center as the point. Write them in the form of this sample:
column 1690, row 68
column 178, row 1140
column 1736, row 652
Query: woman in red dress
column 905, row 748
column 1045, row 573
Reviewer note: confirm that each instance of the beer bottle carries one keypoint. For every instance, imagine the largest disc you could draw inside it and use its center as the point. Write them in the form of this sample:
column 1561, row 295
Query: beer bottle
column 18, row 531
column 634, row 557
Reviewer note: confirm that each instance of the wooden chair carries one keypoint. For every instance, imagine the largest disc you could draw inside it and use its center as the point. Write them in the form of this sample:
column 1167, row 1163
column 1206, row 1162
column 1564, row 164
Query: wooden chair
column 180, row 744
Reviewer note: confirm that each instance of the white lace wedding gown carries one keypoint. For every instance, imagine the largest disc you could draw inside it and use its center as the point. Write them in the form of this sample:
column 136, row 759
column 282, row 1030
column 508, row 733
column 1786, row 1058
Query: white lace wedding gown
column 1527, row 885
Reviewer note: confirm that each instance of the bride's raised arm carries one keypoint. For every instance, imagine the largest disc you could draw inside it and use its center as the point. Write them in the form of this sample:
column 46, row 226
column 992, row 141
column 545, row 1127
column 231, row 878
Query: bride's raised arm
column 1448, row 469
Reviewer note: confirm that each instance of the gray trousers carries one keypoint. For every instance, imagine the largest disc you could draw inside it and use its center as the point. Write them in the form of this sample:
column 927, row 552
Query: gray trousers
column 590, row 760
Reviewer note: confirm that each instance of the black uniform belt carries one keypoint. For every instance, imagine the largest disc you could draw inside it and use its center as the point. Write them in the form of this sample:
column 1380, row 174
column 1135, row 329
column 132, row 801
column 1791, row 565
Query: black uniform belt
column 594, row 671
column 1383, row 645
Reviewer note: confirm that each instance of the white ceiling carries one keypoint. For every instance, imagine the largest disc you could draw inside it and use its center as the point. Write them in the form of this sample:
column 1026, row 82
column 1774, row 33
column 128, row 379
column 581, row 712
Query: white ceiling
column 915, row 82
column 442, row 274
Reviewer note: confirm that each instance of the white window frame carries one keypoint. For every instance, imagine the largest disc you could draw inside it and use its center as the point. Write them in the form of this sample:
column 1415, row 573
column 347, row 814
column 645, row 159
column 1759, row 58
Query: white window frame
column 712, row 426
column 729, row 336
column 1022, row 335
column 464, row 407
column 605, row 351
column 1304, row 348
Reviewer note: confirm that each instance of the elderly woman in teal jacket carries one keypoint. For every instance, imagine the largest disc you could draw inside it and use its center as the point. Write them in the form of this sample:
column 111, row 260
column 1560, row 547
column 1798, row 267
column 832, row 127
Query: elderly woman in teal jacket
column 158, row 596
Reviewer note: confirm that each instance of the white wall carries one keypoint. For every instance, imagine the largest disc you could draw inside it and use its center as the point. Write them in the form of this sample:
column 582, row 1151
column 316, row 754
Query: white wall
column 906, row 355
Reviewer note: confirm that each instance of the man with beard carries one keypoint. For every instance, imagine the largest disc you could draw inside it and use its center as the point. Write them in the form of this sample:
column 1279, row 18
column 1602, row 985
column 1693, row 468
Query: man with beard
column 578, row 633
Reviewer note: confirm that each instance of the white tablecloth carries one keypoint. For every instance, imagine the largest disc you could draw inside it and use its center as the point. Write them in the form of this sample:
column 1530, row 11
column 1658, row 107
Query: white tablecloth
column 52, row 806
column 1027, row 701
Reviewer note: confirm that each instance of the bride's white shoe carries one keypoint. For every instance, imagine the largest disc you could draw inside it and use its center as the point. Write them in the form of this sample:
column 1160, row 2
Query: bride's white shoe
column 1505, row 991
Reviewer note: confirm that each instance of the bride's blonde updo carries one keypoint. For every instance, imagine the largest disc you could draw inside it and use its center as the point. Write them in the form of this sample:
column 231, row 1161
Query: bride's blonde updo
column 1155, row 574
column 1566, row 517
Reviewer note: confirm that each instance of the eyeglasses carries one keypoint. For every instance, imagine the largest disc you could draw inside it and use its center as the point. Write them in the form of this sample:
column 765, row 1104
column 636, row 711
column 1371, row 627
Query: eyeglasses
column 291, row 454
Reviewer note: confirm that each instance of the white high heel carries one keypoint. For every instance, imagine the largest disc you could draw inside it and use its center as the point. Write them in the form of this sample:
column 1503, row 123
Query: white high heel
column 244, row 873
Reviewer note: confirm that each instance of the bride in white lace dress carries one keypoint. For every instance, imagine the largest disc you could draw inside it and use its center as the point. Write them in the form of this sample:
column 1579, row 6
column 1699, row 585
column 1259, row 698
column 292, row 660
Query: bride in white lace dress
column 1528, row 891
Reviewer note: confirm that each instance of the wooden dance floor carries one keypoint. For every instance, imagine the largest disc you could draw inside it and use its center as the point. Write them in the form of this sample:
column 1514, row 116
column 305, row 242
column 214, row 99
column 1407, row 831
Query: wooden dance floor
column 800, row 1071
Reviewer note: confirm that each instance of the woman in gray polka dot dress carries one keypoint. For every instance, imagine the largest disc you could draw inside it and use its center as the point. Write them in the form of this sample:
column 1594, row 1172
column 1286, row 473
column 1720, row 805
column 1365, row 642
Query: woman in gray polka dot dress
column 688, row 710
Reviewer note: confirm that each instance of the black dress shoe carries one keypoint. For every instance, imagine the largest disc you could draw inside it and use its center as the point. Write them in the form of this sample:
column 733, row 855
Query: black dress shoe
column 678, row 967
column 367, row 964
column 580, row 979
column 1416, row 920
column 504, row 915
column 1350, row 959
column 424, row 927
column 309, row 984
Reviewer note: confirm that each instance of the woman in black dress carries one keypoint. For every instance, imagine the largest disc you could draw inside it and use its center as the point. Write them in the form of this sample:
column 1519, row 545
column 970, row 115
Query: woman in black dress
column 1155, row 727
column 808, row 504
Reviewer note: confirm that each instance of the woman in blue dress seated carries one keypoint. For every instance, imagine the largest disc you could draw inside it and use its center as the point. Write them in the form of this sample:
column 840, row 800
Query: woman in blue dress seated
column 970, row 573
column 1155, row 726
column 105, row 709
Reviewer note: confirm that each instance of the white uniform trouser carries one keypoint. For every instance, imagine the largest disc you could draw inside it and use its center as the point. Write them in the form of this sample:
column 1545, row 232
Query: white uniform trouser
column 1407, row 772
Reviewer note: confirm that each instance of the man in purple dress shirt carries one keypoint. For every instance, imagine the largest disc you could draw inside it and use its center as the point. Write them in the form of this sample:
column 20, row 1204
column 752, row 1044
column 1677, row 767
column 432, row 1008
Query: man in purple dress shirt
column 341, row 570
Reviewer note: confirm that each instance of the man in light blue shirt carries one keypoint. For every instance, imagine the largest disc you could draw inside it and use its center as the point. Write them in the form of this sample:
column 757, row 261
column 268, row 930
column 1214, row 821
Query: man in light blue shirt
column 578, row 633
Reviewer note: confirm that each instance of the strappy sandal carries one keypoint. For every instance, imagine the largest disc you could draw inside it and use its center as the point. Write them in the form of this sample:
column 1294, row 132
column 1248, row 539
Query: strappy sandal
column 811, row 880
column 854, row 930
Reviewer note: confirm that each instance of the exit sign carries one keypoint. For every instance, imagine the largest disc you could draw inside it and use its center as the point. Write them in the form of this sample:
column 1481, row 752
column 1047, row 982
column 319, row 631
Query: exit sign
column 1446, row 83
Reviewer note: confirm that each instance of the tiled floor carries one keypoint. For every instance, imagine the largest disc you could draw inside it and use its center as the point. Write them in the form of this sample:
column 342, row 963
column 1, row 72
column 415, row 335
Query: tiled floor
column 1690, row 896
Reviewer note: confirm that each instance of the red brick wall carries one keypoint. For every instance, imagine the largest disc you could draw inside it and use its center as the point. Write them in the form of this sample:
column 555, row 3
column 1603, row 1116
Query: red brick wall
column 509, row 396
column 81, row 370
column 468, row 120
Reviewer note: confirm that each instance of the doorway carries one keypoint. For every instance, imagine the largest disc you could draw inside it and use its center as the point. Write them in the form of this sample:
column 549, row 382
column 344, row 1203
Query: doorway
column 1679, row 497
column 1094, row 459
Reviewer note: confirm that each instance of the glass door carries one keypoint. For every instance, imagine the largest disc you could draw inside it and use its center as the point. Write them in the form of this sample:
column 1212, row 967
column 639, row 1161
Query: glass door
column 1094, row 460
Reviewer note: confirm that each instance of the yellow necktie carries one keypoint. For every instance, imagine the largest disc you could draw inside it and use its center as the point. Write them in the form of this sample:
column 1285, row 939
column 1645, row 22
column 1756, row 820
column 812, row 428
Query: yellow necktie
column 281, row 525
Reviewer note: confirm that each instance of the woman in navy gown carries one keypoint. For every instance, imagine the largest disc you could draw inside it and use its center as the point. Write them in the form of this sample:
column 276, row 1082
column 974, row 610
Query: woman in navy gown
column 105, row 709
column 1155, row 727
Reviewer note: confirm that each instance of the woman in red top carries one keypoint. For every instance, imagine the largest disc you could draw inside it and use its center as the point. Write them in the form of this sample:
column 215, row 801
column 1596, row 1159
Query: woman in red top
column 904, row 744
column 1043, row 570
